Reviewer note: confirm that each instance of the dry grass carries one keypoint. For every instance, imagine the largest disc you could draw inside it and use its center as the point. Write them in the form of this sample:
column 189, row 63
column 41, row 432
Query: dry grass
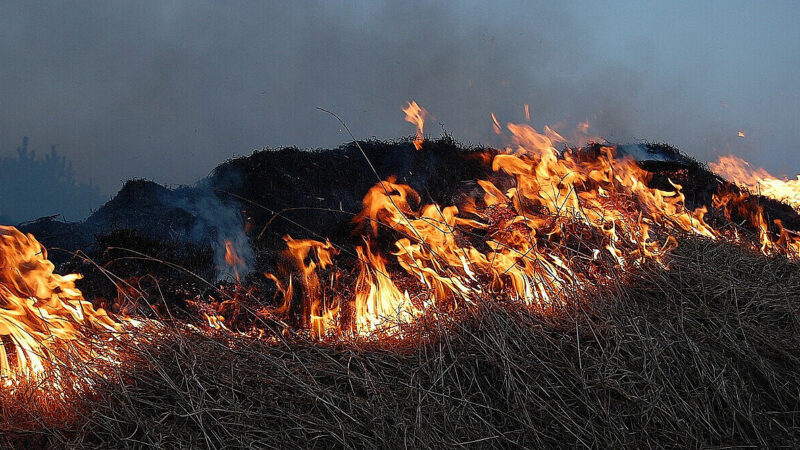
column 703, row 354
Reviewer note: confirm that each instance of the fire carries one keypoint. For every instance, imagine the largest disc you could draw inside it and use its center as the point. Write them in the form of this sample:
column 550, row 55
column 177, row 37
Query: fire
column 758, row 180
column 232, row 259
column 773, row 239
column 416, row 114
column 547, row 222
column 379, row 302
column 45, row 323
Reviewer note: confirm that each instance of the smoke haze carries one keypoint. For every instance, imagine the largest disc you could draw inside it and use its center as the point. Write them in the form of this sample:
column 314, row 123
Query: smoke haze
column 167, row 90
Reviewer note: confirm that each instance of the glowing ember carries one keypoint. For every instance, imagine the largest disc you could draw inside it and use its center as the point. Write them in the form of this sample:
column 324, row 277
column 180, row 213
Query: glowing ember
column 416, row 114
column 44, row 320
column 496, row 125
column 758, row 181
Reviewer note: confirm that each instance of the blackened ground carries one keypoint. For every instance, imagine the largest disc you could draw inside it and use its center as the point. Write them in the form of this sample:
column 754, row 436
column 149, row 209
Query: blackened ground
column 129, row 271
column 315, row 194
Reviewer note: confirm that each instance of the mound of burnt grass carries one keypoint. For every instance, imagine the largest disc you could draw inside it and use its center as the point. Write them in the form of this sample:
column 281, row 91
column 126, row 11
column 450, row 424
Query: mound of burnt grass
column 316, row 193
column 703, row 353
column 127, row 271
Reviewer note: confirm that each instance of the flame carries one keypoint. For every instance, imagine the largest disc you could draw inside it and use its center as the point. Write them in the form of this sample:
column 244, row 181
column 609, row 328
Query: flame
column 44, row 320
column 416, row 114
column 305, row 257
column 547, row 222
column 771, row 239
column 758, row 180
column 215, row 322
column 775, row 238
column 379, row 302
column 232, row 259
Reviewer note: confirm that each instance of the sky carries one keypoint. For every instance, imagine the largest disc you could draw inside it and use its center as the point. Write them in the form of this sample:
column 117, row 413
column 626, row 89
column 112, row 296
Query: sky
column 168, row 90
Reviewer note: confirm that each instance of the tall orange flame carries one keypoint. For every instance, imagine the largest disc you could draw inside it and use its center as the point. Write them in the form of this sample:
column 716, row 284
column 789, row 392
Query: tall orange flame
column 232, row 259
column 44, row 319
column 549, row 221
column 416, row 114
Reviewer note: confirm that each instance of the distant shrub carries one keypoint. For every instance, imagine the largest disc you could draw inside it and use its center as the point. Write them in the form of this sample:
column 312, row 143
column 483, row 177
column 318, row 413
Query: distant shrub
column 32, row 187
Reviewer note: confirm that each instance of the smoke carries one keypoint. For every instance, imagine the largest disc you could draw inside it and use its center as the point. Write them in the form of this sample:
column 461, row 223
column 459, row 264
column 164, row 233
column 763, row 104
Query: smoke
column 218, row 223
column 167, row 90
column 641, row 152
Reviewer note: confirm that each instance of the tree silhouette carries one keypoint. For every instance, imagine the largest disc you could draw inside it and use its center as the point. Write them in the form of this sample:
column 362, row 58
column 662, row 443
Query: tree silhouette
column 32, row 187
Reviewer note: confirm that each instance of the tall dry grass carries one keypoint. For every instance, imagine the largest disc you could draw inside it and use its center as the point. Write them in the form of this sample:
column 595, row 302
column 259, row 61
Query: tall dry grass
column 702, row 354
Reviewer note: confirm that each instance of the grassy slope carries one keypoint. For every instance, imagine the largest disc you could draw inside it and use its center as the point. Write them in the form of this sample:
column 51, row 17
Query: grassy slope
column 702, row 354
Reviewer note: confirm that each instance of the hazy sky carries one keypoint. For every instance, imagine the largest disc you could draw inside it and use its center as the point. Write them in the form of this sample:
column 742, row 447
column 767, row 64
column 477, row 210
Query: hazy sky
column 168, row 89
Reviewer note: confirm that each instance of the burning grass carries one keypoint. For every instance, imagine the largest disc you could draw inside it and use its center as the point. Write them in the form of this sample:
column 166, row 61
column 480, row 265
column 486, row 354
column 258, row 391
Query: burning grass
column 704, row 353
column 546, row 222
column 552, row 304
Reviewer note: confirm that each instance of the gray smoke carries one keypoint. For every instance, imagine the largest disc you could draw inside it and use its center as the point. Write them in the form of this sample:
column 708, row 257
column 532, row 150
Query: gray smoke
column 641, row 152
column 217, row 223
column 167, row 90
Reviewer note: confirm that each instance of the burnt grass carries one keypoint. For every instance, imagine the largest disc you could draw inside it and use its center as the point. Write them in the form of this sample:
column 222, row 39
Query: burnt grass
column 704, row 352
